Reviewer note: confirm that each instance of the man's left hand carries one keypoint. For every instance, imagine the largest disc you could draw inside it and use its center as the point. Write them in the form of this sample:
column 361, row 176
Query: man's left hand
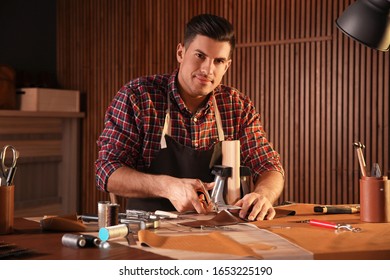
column 255, row 206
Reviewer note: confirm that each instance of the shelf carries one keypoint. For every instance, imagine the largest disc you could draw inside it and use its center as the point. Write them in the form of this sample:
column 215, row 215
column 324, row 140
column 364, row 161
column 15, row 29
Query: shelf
column 49, row 157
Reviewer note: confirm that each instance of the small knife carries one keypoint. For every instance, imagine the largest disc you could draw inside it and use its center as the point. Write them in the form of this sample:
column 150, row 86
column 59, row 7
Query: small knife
column 376, row 171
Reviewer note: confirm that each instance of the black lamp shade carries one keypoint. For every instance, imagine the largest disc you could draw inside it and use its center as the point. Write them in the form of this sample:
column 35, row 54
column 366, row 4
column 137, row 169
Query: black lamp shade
column 368, row 22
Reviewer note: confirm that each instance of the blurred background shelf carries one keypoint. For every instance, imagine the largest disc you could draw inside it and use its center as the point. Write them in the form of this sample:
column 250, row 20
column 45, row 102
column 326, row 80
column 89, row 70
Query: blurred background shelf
column 48, row 176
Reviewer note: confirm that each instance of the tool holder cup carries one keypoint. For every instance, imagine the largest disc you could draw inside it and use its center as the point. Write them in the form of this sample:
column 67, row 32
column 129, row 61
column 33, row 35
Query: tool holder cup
column 375, row 199
column 7, row 194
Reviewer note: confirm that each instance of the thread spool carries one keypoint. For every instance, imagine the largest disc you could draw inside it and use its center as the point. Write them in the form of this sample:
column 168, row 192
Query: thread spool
column 73, row 240
column 102, row 213
column 117, row 231
column 107, row 214
column 91, row 241
column 112, row 214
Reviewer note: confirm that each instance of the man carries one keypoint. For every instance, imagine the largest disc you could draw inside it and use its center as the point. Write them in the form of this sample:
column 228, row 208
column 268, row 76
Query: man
column 162, row 132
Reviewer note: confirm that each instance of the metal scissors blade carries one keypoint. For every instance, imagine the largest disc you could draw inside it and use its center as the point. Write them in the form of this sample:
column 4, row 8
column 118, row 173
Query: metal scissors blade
column 14, row 158
column 8, row 164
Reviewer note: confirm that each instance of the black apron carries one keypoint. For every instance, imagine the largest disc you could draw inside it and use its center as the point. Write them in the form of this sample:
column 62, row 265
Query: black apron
column 177, row 160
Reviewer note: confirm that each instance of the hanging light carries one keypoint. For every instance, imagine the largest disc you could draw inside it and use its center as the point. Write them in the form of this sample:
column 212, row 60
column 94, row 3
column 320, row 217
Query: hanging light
column 368, row 22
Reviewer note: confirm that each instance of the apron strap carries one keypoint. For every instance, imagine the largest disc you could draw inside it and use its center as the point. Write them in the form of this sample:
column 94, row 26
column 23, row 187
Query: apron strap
column 167, row 123
column 221, row 135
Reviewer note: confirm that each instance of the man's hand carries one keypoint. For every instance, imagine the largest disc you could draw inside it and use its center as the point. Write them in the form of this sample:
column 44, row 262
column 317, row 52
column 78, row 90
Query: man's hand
column 255, row 207
column 184, row 194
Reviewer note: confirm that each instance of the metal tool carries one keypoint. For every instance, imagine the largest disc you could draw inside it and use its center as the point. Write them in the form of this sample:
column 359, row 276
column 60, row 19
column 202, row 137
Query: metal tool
column 138, row 215
column 376, row 171
column 325, row 224
column 142, row 219
column 222, row 173
column 8, row 165
column 165, row 214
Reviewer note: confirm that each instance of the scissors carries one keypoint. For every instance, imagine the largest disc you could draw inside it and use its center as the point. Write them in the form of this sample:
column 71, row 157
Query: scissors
column 8, row 166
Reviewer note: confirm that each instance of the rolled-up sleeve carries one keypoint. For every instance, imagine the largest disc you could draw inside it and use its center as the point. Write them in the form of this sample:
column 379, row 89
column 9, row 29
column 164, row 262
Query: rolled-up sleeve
column 256, row 150
column 118, row 143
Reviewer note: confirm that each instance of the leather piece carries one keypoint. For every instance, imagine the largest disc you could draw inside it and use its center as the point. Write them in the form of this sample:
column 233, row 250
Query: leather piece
column 283, row 213
column 68, row 223
column 223, row 218
column 221, row 244
column 226, row 218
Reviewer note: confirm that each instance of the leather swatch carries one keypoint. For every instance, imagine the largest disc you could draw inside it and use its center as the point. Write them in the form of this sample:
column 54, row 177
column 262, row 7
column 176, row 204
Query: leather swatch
column 214, row 242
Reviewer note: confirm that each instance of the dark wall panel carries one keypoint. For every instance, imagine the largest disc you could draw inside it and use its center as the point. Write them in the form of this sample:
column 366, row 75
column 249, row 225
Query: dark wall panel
column 317, row 91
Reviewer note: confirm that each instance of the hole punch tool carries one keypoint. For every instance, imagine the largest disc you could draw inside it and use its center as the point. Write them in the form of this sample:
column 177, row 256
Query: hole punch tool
column 222, row 173
column 337, row 227
column 143, row 219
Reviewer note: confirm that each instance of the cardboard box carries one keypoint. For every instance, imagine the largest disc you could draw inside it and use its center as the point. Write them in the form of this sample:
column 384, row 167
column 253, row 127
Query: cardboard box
column 49, row 100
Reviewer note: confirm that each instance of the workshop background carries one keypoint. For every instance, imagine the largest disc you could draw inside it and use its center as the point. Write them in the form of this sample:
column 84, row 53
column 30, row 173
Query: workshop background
column 317, row 91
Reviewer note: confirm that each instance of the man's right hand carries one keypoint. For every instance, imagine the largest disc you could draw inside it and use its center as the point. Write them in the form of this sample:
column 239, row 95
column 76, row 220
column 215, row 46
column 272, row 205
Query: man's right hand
column 183, row 194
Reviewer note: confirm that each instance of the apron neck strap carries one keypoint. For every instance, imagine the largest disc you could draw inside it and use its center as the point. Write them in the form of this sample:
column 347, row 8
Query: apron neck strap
column 167, row 125
column 221, row 135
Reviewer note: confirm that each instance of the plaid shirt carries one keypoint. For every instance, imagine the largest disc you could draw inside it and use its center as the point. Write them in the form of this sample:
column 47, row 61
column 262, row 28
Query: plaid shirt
column 135, row 119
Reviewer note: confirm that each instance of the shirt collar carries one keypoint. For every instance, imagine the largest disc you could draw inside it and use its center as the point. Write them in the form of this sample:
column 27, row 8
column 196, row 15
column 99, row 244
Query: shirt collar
column 173, row 92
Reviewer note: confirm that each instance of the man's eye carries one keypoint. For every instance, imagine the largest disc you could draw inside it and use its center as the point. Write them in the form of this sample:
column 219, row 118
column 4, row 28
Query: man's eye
column 220, row 61
column 199, row 55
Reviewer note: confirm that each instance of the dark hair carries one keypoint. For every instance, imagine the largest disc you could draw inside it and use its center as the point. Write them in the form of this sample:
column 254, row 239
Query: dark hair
column 212, row 26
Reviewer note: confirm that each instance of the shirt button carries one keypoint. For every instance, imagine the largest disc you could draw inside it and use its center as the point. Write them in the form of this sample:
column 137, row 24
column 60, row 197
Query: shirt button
column 196, row 145
column 195, row 120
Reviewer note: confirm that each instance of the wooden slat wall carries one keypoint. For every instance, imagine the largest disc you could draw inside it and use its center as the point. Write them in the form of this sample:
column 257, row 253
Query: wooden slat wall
column 318, row 92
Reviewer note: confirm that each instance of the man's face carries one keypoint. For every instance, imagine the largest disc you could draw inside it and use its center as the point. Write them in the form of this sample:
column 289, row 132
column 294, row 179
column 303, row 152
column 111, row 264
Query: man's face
column 202, row 66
